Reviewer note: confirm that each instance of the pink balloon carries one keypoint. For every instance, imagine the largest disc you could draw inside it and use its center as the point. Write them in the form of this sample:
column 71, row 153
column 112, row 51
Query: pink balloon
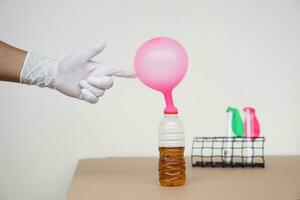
column 161, row 63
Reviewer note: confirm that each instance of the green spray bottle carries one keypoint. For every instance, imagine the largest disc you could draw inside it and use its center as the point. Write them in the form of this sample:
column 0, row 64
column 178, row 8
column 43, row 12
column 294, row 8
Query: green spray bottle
column 235, row 127
column 236, row 122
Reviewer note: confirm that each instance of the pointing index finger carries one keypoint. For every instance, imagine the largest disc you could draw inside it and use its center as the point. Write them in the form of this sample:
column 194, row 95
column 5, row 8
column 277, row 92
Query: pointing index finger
column 124, row 72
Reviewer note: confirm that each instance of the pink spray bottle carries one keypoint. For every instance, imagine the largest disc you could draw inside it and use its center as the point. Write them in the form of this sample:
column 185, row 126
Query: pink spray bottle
column 252, row 131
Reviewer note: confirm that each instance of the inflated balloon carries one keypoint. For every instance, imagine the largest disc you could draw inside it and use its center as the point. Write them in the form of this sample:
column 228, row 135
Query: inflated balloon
column 161, row 63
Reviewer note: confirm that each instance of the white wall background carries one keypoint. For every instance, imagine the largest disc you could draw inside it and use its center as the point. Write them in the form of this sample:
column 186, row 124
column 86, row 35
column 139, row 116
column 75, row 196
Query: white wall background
column 241, row 53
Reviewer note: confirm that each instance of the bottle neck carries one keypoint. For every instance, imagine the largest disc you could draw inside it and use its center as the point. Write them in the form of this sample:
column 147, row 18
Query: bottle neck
column 171, row 115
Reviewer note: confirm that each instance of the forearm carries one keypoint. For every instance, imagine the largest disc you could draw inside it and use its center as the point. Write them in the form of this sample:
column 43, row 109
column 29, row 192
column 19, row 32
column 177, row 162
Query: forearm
column 11, row 62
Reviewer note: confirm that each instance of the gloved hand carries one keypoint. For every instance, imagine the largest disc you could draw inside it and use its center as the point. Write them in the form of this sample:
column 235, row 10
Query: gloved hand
column 76, row 75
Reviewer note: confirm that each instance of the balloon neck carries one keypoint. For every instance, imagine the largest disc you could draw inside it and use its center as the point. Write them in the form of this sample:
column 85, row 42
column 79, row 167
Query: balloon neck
column 170, row 108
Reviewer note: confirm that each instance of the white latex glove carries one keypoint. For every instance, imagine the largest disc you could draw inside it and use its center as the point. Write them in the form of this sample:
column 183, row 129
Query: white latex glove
column 76, row 75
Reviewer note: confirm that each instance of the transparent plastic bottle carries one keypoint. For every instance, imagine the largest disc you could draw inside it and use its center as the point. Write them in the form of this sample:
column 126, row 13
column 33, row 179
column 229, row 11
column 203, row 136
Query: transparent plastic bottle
column 171, row 150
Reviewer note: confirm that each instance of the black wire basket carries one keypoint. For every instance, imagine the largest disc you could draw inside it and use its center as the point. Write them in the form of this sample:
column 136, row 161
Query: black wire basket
column 229, row 152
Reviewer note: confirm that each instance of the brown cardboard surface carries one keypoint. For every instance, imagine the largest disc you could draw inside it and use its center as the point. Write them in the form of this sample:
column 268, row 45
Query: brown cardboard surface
column 137, row 178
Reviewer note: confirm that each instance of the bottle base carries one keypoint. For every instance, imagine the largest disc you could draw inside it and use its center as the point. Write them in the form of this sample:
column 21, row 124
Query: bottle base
column 173, row 183
column 171, row 166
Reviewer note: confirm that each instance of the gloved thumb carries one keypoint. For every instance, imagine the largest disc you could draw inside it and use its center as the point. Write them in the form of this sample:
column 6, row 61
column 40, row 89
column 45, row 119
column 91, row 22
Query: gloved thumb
column 88, row 54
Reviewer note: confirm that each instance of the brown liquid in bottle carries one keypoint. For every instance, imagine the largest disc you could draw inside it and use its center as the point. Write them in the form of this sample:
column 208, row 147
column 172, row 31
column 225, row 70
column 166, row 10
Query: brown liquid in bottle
column 171, row 166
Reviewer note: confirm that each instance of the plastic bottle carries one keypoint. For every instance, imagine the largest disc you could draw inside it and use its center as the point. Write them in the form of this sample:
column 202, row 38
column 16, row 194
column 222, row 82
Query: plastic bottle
column 171, row 149
column 252, row 131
